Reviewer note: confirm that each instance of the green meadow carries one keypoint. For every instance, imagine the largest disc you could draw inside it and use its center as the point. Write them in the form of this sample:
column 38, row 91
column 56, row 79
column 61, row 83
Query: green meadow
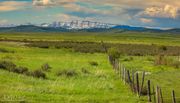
column 124, row 37
column 100, row 85
column 92, row 79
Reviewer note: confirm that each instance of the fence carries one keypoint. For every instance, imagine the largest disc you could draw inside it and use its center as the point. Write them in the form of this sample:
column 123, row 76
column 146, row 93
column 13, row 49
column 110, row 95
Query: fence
column 139, row 86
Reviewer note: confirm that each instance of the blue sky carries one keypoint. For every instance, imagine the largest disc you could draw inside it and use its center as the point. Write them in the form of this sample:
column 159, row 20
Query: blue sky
column 148, row 13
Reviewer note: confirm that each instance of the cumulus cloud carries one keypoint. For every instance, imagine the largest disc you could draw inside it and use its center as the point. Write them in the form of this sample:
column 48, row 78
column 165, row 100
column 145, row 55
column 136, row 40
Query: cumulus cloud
column 153, row 8
column 52, row 2
column 167, row 11
column 134, row 3
column 42, row 2
column 12, row 5
column 68, row 17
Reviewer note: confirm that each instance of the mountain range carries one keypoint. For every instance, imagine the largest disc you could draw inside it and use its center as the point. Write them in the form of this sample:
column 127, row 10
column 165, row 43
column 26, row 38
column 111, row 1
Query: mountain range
column 117, row 28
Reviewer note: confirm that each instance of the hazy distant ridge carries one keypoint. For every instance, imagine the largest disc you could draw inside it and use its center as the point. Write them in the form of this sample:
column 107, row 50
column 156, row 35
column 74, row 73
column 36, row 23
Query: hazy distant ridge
column 118, row 28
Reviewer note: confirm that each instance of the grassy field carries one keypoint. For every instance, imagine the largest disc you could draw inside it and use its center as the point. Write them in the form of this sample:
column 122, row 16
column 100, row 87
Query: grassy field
column 92, row 83
column 125, row 37
column 100, row 86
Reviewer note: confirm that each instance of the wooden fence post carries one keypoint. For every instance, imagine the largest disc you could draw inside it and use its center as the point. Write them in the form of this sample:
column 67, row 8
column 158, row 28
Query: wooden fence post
column 137, row 83
column 133, row 86
column 117, row 66
column 129, row 78
column 160, row 91
column 141, row 88
column 149, row 90
column 154, row 93
column 157, row 95
column 124, row 75
column 173, row 97
column 119, row 69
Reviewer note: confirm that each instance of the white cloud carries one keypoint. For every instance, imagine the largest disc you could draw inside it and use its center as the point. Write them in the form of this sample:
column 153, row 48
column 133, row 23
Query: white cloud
column 12, row 5
column 152, row 8
column 42, row 2
column 166, row 11
column 52, row 2
column 67, row 17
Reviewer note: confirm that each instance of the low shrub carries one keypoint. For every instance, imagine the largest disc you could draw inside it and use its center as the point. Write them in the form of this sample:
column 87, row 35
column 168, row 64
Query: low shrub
column 85, row 71
column 114, row 55
column 95, row 47
column 67, row 72
column 93, row 63
column 38, row 74
column 163, row 48
column 11, row 67
column 20, row 70
column 4, row 50
column 113, row 52
column 7, row 65
column 46, row 67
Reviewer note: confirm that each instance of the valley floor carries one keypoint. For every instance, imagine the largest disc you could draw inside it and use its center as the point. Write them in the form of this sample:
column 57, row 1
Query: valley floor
column 99, row 85
column 82, row 77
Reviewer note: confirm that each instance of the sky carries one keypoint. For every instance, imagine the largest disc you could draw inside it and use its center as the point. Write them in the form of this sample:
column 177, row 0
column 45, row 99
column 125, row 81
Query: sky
column 146, row 13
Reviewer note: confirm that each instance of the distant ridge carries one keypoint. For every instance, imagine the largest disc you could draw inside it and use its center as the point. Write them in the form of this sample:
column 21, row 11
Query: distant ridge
column 139, row 29
column 31, row 28
column 126, row 27
column 118, row 28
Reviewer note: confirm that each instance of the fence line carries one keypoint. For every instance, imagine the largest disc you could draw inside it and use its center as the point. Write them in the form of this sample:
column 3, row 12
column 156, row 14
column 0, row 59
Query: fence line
column 137, row 86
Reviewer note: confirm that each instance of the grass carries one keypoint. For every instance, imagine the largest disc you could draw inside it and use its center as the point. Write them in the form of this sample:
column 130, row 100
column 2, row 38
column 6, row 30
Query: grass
column 124, row 38
column 91, row 84
column 98, row 87
column 92, row 47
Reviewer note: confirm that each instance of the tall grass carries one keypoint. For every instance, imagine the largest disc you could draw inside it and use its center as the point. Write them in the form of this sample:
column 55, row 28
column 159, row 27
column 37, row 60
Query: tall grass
column 95, row 47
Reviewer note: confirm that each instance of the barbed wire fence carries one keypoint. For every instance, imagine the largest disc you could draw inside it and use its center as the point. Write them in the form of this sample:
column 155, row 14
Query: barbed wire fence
column 136, row 81
column 131, row 78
